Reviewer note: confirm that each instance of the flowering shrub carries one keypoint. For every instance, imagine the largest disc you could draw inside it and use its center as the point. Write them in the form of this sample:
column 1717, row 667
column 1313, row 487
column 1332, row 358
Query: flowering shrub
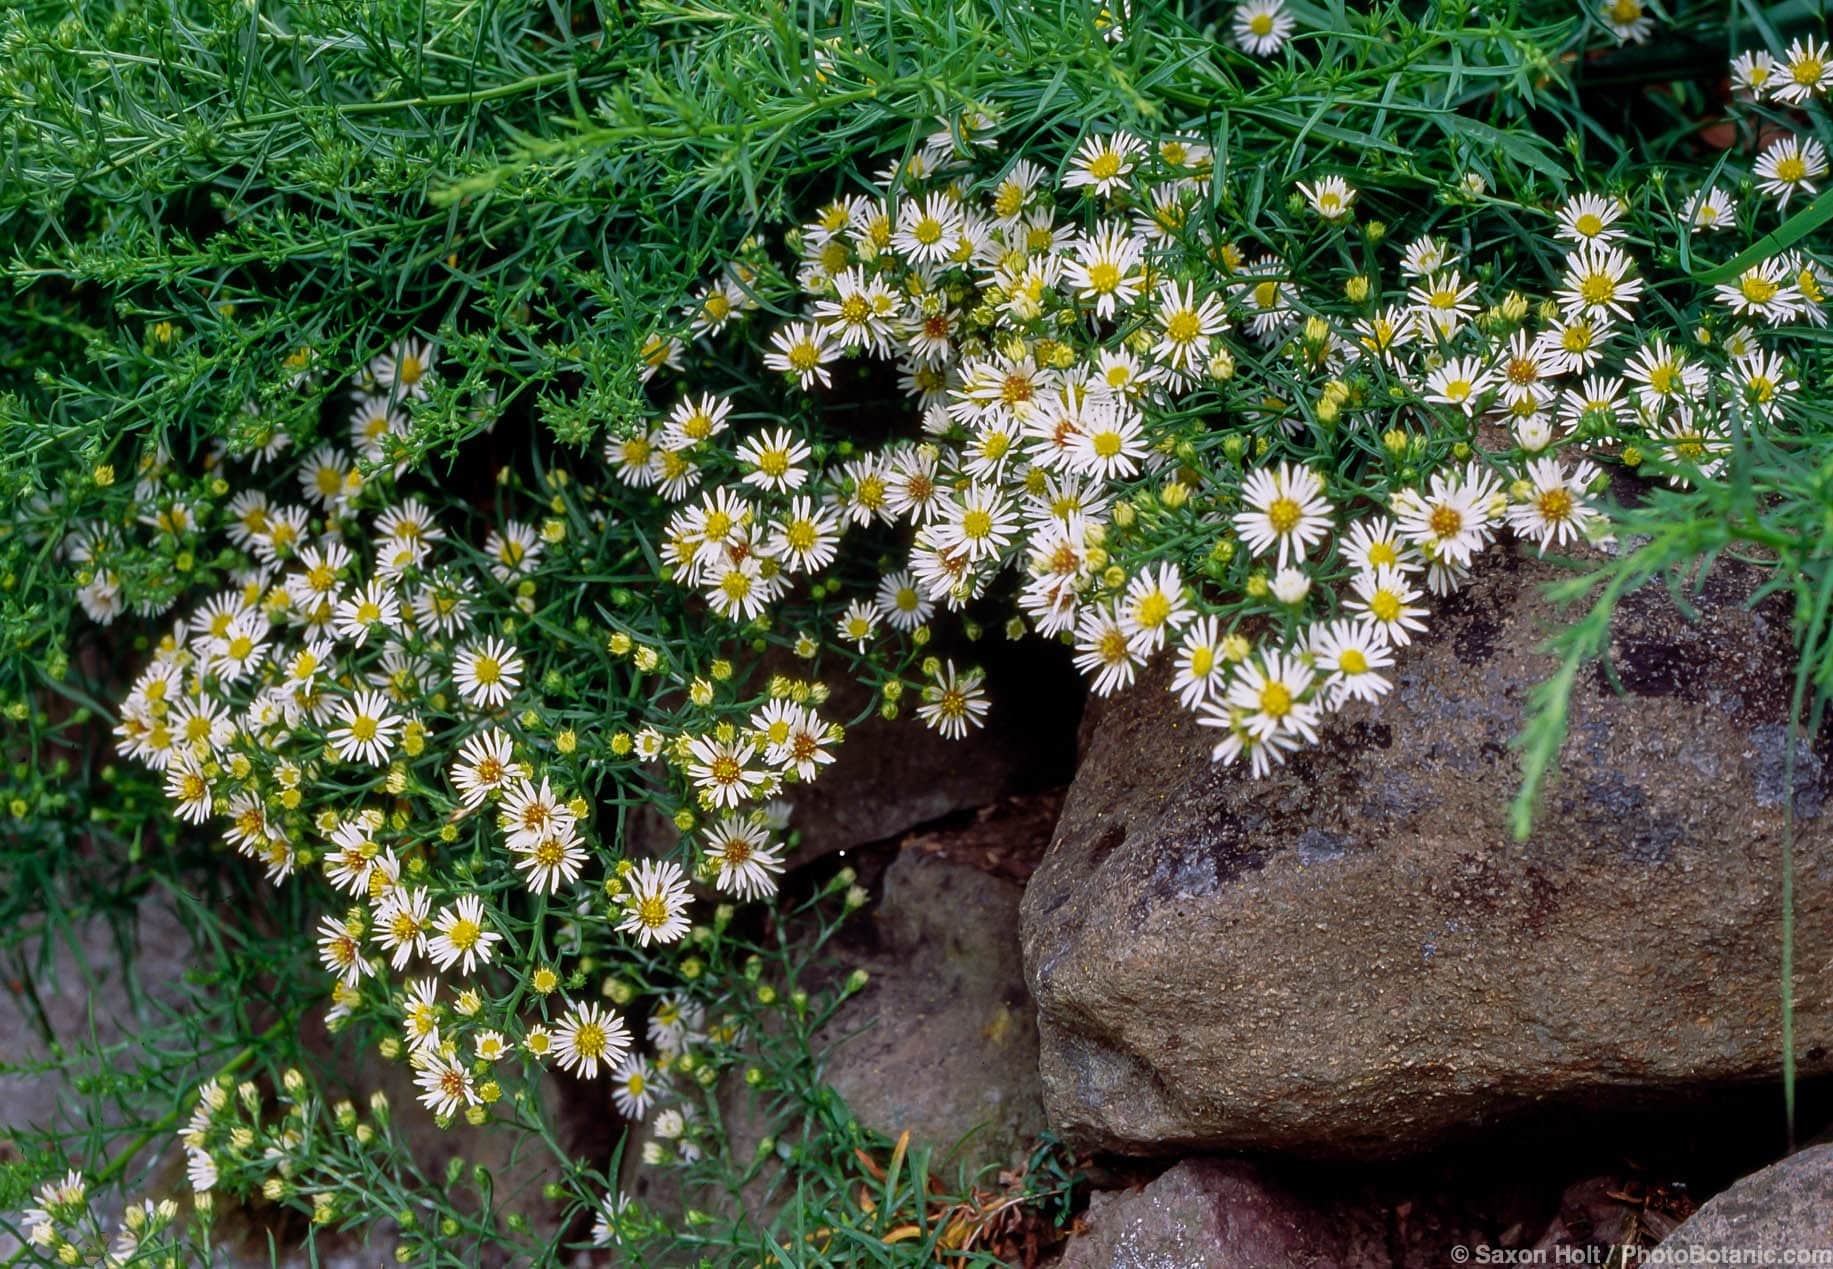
column 1103, row 369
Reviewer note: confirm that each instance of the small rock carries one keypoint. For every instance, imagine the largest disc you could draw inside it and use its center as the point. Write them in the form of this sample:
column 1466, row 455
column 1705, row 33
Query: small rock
column 949, row 1049
column 1787, row 1207
column 1232, row 1214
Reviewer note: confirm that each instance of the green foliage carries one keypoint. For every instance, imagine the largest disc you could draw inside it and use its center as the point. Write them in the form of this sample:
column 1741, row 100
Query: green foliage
column 216, row 216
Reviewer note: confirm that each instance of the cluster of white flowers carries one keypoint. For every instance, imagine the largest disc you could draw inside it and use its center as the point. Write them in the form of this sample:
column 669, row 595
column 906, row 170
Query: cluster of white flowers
column 1056, row 335
column 68, row 1227
column 355, row 647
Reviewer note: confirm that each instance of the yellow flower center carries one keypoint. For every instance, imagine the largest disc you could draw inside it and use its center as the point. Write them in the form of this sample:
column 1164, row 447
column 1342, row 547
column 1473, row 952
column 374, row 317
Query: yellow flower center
column 1758, row 289
column 1284, row 514
column 1351, row 661
column 1554, row 505
column 1275, row 700
column 1597, row 288
column 589, row 1040
column 1183, row 327
column 1445, row 522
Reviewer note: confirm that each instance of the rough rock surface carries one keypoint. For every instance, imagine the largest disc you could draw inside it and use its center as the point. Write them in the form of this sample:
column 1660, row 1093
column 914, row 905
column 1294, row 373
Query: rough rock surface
column 948, row 1047
column 1353, row 957
column 942, row 1041
column 1230, row 1214
column 1785, row 1207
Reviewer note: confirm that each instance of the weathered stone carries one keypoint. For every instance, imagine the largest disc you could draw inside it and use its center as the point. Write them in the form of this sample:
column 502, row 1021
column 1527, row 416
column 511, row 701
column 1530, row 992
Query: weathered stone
column 1785, row 1207
column 1231, row 1214
column 948, row 1048
column 1352, row 957
column 942, row 1040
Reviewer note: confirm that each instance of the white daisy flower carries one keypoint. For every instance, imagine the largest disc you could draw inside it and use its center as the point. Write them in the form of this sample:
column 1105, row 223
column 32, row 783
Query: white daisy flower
column 777, row 460
column 748, row 862
column 634, row 1086
column 720, row 768
column 484, row 765
column 1270, row 689
column 446, row 1085
column 1262, row 27
column 1103, row 163
column 1154, row 605
column 1286, row 509
column 366, row 728
column 553, row 860
column 1384, row 600
column 900, row 602
column 587, row 1035
column 1555, row 508
column 953, row 703
column 1791, row 166
column 402, row 370
column 655, row 903
column 1454, row 519
column 487, row 673
column 1202, row 667
column 1350, row 655
column 461, row 936
column 1589, row 218
column 1104, row 651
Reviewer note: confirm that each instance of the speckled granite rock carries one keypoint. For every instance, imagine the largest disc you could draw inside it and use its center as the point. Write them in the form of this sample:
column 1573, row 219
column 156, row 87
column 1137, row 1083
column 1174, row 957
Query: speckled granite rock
column 1232, row 1214
column 1353, row 958
column 949, row 1046
column 1786, row 1207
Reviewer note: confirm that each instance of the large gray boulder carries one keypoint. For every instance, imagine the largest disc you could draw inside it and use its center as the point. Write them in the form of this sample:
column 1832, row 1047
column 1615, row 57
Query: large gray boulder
column 1353, row 958
column 1787, row 1207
